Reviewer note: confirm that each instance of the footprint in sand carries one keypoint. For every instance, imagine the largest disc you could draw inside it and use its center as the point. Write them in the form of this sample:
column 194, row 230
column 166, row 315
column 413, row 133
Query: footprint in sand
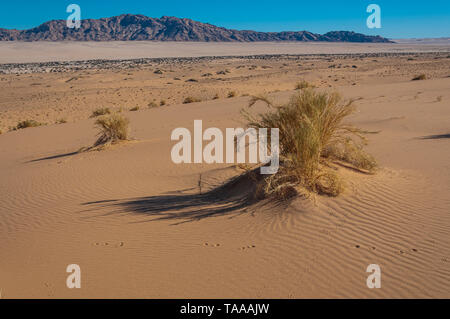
column 247, row 247
column 373, row 247
column 109, row 244
column 401, row 252
column 211, row 245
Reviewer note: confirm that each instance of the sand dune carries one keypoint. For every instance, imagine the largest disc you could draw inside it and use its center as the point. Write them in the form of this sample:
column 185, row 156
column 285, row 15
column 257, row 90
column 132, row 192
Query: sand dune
column 138, row 226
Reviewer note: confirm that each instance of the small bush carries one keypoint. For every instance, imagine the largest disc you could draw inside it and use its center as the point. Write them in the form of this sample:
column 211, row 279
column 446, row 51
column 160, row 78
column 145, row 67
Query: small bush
column 420, row 77
column 231, row 94
column 191, row 99
column 61, row 121
column 113, row 128
column 162, row 102
column 303, row 85
column 216, row 97
column 100, row 112
column 152, row 105
column 134, row 109
column 26, row 124
column 313, row 136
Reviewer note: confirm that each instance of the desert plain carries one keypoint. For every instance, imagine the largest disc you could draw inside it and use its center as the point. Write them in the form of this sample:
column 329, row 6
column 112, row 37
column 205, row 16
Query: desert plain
column 140, row 226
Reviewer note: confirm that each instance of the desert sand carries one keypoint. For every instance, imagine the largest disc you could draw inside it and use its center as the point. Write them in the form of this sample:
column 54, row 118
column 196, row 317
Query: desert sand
column 28, row 52
column 141, row 226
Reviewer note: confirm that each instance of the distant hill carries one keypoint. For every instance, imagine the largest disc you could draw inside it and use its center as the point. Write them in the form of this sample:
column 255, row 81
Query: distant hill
column 130, row 27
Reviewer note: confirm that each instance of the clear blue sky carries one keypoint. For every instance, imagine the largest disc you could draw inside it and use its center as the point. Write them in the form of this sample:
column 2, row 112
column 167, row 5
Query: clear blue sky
column 400, row 18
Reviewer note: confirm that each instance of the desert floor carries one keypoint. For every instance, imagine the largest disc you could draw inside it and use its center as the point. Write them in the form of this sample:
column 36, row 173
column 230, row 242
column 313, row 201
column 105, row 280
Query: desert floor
column 140, row 226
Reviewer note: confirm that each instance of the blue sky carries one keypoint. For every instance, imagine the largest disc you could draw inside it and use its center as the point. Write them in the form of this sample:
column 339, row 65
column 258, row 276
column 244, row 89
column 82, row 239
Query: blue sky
column 400, row 18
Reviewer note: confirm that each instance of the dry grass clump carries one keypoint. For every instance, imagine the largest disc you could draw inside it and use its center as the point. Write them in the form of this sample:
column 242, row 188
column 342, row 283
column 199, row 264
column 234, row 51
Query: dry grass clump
column 134, row 109
column 61, row 121
column 420, row 77
column 303, row 85
column 113, row 129
column 101, row 111
column 231, row 94
column 313, row 140
column 191, row 99
column 26, row 124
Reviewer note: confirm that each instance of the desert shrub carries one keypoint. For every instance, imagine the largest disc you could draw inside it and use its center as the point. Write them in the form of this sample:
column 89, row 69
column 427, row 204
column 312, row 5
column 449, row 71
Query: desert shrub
column 61, row 121
column 216, row 96
column 113, row 128
column 191, row 99
column 101, row 111
column 313, row 137
column 152, row 104
column 303, row 85
column 162, row 102
column 231, row 94
column 134, row 109
column 26, row 124
column 420, row 77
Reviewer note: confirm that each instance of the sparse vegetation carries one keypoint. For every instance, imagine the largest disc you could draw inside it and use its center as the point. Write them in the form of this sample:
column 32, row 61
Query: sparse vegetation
column 303, row 85
column 162, row 102
column 61, row 121
column 26, row 124
column 216, row 97
column 152, row 104
column 314, row 140
column 191, row 99
column 134, row 109
column 420, row 77
column 101, row 111
column 113, row 128
column 231, row 94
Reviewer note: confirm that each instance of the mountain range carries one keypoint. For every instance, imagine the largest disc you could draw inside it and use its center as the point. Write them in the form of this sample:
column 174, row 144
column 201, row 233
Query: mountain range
column 129, row 27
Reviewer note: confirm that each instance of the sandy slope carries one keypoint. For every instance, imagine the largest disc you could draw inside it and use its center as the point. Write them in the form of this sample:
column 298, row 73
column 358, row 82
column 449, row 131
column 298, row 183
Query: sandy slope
column 137, row 226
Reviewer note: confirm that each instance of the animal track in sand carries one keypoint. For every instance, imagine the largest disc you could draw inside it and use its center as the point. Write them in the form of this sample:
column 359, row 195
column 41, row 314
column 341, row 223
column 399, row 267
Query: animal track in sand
column 211, row 245
column 247, row 247
column 109, row 244
column 401, row 252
